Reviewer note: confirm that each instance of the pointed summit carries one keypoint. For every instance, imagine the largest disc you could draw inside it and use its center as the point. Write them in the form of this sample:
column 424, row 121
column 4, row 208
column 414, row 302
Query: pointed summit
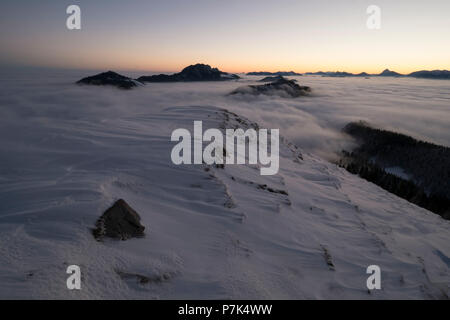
column 120, row 222
column 389, row 73
column 197, row 72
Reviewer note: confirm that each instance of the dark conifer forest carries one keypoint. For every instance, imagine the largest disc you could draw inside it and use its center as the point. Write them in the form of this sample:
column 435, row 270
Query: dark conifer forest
column 427, row 165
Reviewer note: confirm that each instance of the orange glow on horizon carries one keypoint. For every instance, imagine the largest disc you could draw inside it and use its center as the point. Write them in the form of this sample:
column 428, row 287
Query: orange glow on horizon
column 168, row 67
column 234, row 36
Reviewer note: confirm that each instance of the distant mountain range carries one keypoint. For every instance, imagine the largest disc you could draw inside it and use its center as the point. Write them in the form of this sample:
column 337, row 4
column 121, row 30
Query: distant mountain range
column 204, row 72
column 278, row 73
column 435, row 74
column 197, row 72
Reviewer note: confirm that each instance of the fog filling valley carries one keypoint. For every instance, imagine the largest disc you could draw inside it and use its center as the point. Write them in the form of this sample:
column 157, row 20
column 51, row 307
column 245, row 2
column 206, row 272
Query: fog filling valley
column 419, row 108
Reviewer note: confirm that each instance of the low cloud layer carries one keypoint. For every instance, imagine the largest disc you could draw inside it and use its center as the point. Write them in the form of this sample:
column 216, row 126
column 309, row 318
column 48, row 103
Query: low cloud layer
column 420, row 108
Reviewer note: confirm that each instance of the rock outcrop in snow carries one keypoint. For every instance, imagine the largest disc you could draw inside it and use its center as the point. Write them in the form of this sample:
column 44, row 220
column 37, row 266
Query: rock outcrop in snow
column 119, row 222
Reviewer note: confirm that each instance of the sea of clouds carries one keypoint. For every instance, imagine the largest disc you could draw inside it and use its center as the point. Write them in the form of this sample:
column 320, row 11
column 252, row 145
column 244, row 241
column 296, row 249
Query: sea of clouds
column 68, row 151
column 35, row 100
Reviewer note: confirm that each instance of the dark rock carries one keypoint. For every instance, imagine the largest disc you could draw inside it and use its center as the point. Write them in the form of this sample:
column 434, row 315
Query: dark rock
column 265, row 187
column 110, row 78
column 328, row 259
column 143, row 279
column 281, row 87
column 197, row 72
column 119, row 222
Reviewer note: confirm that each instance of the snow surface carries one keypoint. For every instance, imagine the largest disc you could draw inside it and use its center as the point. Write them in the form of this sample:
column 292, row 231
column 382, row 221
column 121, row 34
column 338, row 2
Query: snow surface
column 68, row 152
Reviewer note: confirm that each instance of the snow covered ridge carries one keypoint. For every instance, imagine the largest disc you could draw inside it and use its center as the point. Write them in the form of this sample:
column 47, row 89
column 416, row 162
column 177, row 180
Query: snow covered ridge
column 211, row 231
column 218, row 153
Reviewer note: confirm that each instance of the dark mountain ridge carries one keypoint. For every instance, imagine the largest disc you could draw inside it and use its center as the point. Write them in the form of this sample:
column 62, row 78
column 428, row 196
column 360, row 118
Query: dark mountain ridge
column 197, row 72
column 110, row 78
column 278, row 73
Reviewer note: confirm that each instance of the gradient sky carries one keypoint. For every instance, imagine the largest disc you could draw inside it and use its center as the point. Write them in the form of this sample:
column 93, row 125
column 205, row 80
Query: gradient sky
column 234, row 35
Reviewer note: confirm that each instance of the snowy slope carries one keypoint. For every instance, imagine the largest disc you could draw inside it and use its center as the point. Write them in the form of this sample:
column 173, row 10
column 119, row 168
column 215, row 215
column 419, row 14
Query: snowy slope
column 211, row 232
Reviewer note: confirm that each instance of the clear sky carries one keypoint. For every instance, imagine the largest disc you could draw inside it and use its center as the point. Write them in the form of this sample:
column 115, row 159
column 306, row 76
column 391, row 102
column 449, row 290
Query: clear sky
column 234, row 35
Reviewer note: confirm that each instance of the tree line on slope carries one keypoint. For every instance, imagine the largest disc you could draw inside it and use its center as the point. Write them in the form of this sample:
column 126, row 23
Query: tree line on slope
column 428, row 165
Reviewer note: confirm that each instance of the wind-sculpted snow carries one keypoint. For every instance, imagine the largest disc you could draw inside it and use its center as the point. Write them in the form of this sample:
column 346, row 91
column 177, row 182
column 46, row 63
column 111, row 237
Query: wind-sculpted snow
column 69, row 152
